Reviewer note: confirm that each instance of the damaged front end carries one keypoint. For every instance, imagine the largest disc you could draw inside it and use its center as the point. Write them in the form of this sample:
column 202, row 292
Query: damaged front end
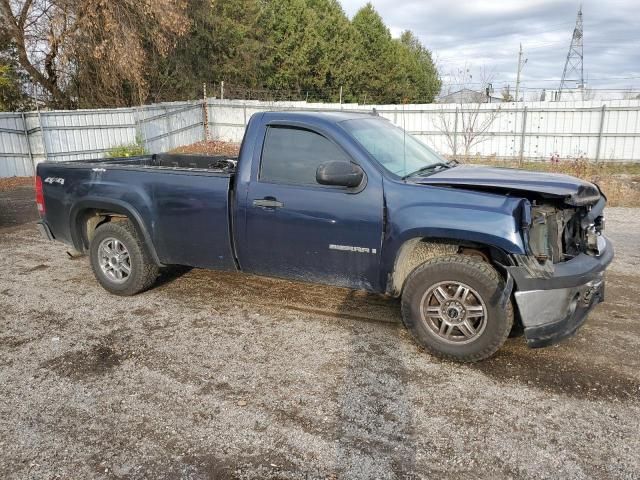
column 558, row 233
column 562, row 277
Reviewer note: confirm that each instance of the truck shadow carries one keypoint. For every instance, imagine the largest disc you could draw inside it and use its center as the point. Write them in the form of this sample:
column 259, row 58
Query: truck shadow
column 561, row 371
column 374, row 429
column 170, row 274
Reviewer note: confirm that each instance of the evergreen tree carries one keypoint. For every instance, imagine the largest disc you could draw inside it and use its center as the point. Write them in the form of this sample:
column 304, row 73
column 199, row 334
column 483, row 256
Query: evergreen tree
column 294, row 47
column 419, row 80
column 375, row 66
column 336, row 60
column 225, row 42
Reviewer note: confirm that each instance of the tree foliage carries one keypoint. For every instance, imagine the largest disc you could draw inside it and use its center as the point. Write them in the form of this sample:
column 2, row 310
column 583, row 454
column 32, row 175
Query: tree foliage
column 126, row 52
column 13, row 97
column 91, row 52
column 224, row 42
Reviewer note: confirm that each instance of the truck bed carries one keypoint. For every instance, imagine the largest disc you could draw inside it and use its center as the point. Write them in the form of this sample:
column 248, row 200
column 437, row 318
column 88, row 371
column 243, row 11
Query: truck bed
column 180, row 202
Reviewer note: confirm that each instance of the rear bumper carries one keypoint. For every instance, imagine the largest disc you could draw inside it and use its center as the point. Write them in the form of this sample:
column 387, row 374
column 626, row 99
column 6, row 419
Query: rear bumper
column 44, row 230
column 552, row 307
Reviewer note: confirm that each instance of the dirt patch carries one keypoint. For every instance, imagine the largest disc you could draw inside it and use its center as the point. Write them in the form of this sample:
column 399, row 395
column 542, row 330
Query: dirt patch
column 37, row 268
column 13, row 342
column 98, row 360
column 143, row 312
column 11, row 183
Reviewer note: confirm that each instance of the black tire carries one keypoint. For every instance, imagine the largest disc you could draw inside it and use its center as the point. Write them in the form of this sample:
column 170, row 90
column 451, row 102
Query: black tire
column 485, row 282
column 143, row 270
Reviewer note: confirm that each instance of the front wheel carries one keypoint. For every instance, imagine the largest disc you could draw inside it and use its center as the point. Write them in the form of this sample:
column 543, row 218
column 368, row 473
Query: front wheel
column 451, row 306
column 120, row 260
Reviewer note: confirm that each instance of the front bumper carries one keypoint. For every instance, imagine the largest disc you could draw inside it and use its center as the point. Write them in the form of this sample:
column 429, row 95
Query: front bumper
column 553, row 306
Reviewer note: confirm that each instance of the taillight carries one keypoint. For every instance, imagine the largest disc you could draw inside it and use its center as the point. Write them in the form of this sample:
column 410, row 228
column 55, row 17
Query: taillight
column 39, row 196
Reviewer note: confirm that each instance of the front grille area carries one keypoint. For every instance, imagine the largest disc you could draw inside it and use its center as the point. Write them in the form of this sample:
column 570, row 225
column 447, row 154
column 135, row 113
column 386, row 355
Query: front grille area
column 559, row 234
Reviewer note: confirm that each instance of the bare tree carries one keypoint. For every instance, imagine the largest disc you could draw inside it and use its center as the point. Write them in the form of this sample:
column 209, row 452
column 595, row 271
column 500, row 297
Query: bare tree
column 470, row 121
column 91, row 48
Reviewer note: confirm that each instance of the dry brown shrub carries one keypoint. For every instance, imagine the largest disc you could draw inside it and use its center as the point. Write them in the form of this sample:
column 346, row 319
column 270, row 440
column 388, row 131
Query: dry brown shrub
column 211, row 147
column 619, row 192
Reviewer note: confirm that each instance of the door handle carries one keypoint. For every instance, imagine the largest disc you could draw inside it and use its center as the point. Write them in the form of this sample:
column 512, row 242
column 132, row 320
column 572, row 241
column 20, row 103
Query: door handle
column 267, row 203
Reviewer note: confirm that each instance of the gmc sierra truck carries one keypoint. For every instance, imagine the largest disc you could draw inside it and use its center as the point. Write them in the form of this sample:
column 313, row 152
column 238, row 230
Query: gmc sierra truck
column 348, row 199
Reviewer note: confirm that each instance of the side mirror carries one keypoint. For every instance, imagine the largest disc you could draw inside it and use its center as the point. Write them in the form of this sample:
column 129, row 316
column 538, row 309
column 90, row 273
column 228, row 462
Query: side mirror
column 341, row 174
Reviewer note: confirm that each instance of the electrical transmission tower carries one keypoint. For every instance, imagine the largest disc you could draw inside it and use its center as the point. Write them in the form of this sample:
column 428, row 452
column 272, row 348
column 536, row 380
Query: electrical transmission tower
column 573, row 67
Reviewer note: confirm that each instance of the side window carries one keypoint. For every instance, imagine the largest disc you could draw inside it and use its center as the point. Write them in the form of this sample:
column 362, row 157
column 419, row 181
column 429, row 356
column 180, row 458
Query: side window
column 292, row 155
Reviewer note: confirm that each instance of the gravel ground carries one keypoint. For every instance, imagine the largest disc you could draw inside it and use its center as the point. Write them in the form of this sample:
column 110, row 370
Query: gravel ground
column 213, row 375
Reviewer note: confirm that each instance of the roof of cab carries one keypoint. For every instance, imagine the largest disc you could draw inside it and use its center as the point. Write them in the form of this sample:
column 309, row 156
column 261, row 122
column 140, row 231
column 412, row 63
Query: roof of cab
column 330, row 116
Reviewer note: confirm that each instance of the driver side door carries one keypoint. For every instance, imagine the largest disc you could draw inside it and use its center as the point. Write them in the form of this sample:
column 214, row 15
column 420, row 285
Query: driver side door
column 299, row 229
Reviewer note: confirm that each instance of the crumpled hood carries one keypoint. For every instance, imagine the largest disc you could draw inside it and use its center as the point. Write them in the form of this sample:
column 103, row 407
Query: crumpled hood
column 573, row 190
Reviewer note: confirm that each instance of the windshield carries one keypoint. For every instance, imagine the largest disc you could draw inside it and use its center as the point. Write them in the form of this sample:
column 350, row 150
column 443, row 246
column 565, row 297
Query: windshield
column 397, row 151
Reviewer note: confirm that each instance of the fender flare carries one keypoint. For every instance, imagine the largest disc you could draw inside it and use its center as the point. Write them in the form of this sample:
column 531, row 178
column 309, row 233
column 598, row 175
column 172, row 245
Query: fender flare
column 438, row 244
column 115, row 206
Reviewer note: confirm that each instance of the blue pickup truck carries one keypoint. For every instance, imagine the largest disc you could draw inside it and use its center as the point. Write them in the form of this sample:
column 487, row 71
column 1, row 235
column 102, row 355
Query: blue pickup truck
column 348, row 199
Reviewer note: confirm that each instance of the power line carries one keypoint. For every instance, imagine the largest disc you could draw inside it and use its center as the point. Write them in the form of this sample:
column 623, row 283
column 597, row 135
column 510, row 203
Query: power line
column 603, row 79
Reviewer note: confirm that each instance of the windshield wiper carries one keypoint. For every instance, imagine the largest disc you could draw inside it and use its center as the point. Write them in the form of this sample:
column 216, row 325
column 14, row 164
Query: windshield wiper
column 433, row 168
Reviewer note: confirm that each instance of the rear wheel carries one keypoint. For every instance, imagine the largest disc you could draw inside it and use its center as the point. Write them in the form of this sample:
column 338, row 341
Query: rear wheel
column 451, row 306
column 120, row 260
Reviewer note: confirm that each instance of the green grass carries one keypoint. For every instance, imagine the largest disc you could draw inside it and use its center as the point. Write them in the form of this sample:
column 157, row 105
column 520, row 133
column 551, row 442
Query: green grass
column 130, row 150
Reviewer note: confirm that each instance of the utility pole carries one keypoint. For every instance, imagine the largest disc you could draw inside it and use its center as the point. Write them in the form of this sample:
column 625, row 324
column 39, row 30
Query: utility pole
column 573, row 66
column 520, row 67
column 222, row 90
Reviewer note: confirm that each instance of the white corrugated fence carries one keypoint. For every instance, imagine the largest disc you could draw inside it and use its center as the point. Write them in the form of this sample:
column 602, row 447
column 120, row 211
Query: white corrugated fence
column 606, row 131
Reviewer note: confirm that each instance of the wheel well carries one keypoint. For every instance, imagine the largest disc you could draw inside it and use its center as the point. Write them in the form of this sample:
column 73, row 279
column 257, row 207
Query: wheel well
column 416, row 251
column 89, row 220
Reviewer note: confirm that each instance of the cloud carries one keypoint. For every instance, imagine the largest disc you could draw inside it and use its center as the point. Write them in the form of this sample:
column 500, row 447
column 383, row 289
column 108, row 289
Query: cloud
column 486, row 35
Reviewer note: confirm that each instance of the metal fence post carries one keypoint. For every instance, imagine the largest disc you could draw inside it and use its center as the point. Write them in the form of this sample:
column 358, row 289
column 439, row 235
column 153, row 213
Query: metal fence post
column 524, row 127
column 455, row 134
column 169, row 129
column 26, row 136
column 205, row 113
column 44, row 140
column 602, row 115
column 140, row 127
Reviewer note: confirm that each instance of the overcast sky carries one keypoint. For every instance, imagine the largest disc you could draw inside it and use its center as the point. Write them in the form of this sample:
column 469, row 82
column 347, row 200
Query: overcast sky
column 487, row 34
